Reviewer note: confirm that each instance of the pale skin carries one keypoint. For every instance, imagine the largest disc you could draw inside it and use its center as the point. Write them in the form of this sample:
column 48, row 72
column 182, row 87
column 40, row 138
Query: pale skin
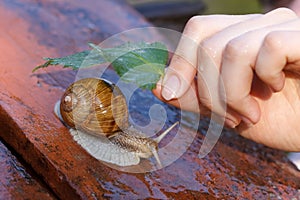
column 256, row 59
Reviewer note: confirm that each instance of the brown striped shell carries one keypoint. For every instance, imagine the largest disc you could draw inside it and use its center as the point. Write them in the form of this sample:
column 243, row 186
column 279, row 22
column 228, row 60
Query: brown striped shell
column 95, row 106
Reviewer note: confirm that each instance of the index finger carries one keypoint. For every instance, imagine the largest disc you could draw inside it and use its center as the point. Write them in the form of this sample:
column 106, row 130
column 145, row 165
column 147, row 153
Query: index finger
column 183, row 66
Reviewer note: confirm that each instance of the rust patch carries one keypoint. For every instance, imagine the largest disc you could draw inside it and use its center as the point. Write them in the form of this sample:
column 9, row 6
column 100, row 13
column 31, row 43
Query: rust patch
column 16, row 182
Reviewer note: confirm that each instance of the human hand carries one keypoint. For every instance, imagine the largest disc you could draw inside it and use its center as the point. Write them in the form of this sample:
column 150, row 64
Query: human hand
column 255, row 59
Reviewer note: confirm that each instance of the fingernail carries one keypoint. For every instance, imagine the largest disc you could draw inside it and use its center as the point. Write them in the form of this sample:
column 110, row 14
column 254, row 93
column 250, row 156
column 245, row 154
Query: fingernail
column 276, row 88
column 230, row 123
column 170, row 87
column 247, row 121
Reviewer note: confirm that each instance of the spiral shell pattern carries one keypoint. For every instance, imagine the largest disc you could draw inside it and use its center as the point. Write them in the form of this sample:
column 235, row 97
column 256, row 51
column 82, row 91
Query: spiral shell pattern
column 95, row 106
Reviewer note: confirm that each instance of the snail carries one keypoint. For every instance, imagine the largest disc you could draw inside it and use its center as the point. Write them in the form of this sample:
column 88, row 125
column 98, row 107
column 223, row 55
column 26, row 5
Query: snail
column 96, row 113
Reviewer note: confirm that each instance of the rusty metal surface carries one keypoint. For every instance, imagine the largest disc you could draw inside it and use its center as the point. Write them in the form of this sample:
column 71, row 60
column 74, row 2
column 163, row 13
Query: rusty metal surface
column 16, row 182
column 236, row 168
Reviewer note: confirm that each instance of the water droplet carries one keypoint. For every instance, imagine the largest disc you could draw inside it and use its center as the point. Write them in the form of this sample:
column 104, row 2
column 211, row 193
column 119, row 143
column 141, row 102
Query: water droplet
column 201, row 68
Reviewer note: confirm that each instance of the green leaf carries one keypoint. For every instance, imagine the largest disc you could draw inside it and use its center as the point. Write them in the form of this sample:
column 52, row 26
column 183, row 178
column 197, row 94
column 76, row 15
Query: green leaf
column 74, row 61
column 139, row 63
column 145, row 76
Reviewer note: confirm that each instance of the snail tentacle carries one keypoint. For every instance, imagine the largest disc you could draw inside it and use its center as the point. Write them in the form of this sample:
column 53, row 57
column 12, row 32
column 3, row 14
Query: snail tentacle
column 156, row 156
column 161, row 136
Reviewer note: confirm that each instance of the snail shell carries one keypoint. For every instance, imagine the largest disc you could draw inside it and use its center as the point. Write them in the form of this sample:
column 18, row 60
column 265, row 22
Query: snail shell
column 96, row 113
column 95, row 106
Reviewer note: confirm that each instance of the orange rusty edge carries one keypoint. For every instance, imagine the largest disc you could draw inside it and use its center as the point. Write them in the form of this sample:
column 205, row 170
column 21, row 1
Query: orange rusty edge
column 45, row 144
column 15, row 137
column 17, row 181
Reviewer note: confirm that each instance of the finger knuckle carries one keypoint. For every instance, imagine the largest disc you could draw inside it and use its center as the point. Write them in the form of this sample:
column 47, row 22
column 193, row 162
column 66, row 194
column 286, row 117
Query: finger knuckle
column 235, row 49
column 284, row 12
column 194, row 21
column 198, row 21
column 195, row 24
column 208, row 47
column 272, row 42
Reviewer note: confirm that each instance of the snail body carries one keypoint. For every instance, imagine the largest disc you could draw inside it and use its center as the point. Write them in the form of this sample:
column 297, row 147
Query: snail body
column 96, row 113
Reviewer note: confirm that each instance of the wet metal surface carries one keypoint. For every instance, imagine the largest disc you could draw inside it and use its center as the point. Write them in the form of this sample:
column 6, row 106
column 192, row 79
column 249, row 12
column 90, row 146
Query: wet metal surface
column 236, row 168
column 16, row 182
